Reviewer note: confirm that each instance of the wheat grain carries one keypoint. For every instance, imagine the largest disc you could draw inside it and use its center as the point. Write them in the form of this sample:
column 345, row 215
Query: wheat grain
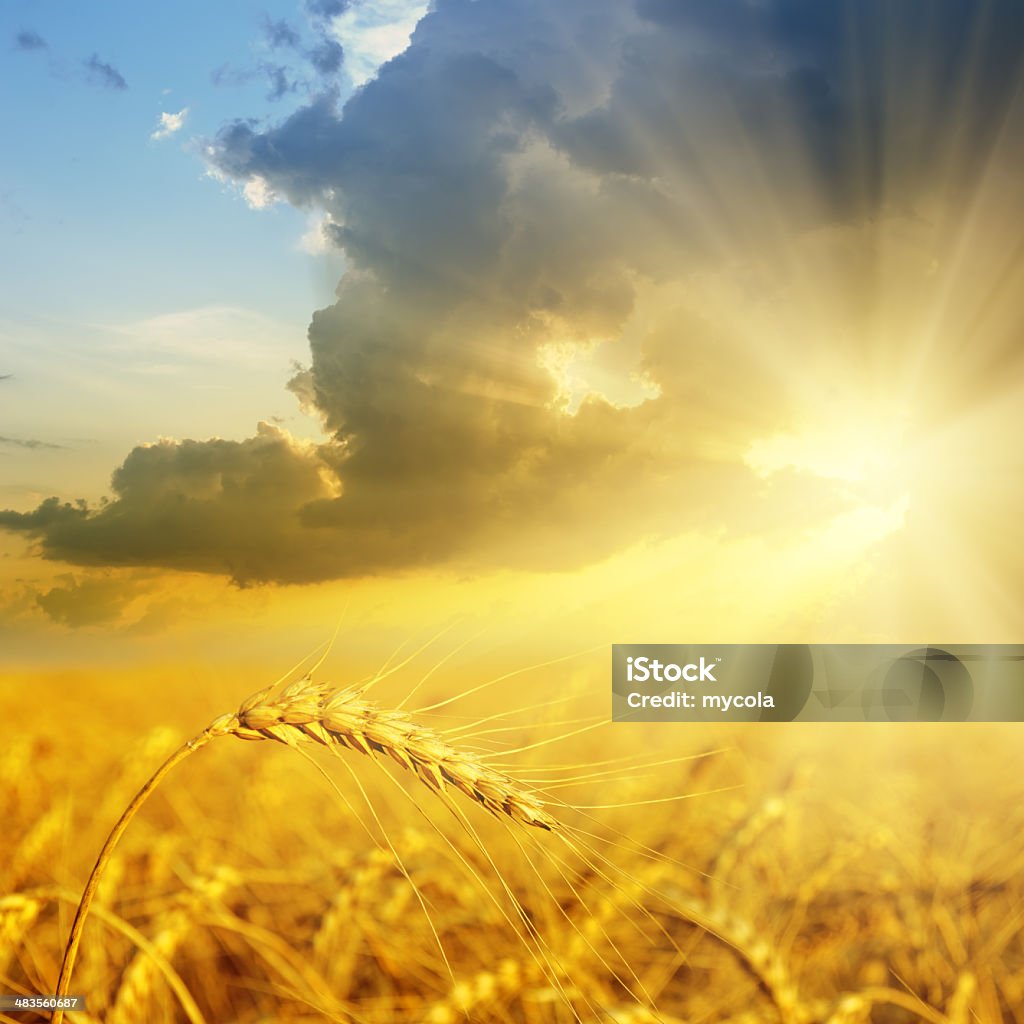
column 851, row 1009
column 341, row 718
column 959, row 1009
column 33, row 851
column 468, row 996
column 335, row 940
column 750, row 832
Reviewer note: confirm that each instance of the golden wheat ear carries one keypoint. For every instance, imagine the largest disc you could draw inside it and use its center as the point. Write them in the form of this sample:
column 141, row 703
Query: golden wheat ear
column 337, row 719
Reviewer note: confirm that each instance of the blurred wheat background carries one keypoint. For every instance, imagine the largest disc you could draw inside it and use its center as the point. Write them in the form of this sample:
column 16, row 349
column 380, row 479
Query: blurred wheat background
column 810, row 874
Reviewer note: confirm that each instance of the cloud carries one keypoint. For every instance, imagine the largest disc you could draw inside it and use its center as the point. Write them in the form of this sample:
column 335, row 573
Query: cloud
column 326, row 56
column 104, row 74
column 18, row 442
column 6, row 376
column 278, row 78
column 170, row 123
column 226, row 75
column 280, row 34
column 256, row 510
column 374, row 32
column 279, row 82
column 258, row 193
column 596, row 253
column 27, row 40
column 317, row 239
column 90, row 601
column 210, row 506
column 326, row 9
column 862, row 121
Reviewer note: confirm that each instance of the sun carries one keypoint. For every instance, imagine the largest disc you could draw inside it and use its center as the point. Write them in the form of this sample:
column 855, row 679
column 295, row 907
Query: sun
column 867, row 449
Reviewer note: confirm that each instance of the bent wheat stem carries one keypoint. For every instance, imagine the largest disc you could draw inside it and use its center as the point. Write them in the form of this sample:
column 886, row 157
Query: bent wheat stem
column 337, row 719
column 82, row 913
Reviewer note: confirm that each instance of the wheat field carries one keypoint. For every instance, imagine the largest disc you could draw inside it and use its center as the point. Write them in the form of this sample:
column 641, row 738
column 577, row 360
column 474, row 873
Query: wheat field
column 792, row 873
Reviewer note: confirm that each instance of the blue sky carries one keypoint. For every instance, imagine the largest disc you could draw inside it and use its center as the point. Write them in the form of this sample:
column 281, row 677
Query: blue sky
column 133, row 278
column 99, row 217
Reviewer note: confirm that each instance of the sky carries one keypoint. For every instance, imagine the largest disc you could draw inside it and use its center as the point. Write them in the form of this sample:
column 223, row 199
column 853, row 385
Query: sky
column 574, row 320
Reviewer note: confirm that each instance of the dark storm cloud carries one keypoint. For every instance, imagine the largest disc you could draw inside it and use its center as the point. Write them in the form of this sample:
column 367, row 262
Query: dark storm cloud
column 703, row 105
column 414, row 170
column 527, row 175
column 867, row 88
column 27, row 40
column 104, row 74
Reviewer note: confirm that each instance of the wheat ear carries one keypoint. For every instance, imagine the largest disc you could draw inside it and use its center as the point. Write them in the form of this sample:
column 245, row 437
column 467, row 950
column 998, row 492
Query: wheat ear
column 341, row 718
column 334, row 718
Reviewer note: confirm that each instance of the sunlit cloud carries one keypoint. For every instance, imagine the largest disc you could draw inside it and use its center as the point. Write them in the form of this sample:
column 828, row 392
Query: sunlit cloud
column 317, row 238
column 258, row 193
column 170, row 124
column 371, row 32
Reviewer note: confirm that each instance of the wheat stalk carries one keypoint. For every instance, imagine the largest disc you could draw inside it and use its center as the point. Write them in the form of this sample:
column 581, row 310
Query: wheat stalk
column 17, row 914
column 337, row 719
column 138, row 984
